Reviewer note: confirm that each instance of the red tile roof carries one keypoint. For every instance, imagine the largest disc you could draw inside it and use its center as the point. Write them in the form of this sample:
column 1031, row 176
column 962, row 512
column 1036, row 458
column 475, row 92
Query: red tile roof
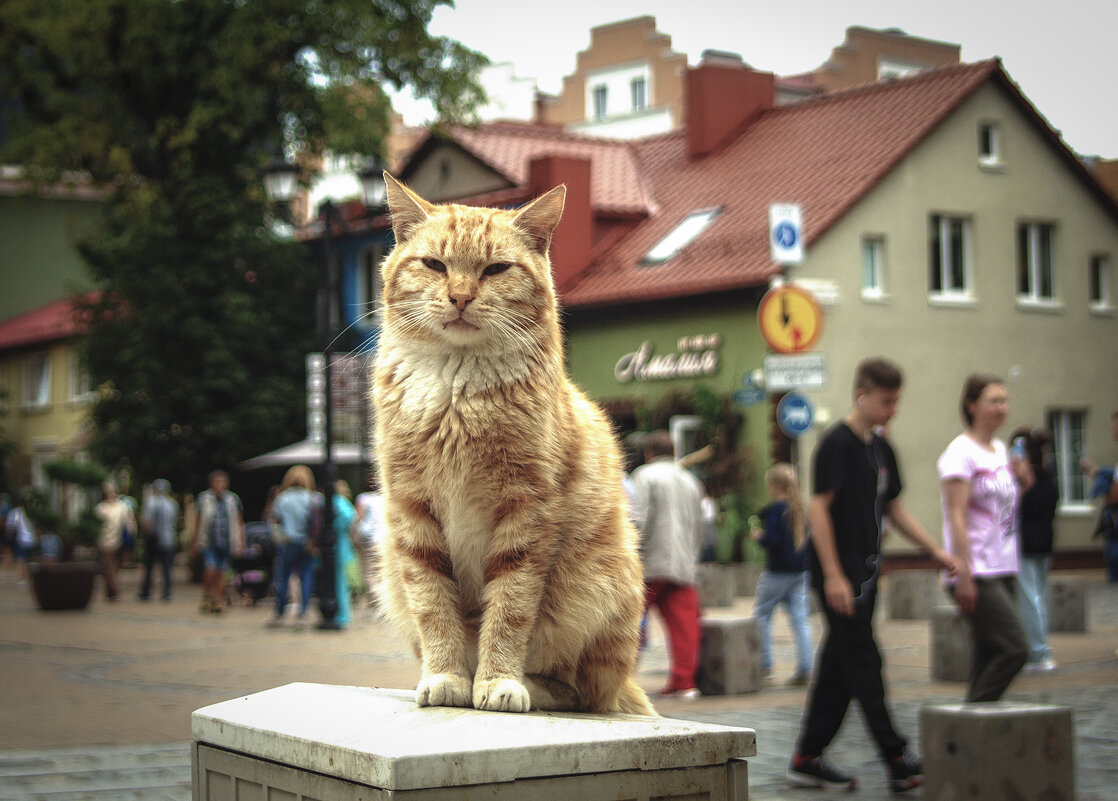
column 824, row 153
column 509, row 147
column 55, row 321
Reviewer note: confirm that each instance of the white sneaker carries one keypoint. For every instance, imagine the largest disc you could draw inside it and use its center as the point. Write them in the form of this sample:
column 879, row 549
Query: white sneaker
column 1046, row 665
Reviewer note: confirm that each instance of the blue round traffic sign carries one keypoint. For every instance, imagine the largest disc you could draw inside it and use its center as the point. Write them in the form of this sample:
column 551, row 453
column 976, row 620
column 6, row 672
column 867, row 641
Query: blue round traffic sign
column 794, row 414
column 785, row 235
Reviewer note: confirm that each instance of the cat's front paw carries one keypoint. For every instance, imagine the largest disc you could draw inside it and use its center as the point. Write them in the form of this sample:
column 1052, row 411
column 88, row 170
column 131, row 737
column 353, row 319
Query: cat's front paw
column 444, row 689
column 501, row 695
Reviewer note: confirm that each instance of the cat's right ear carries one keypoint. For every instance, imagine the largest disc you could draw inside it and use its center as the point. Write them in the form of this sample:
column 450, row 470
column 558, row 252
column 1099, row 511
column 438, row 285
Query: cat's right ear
column 408, row 209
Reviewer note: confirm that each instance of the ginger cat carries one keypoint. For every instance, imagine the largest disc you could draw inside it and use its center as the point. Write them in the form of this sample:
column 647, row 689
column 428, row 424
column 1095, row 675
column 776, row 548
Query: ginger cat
column 510, row 559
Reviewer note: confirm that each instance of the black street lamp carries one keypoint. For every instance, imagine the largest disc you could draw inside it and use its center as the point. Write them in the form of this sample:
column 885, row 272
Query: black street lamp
column 280, row 182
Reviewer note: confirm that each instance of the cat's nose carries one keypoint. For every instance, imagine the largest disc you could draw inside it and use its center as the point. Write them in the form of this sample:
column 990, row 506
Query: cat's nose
column 461, row 298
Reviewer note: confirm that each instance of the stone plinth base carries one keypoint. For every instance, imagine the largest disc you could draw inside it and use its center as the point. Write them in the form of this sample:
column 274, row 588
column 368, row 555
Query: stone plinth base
column 952, row 650
column 730, row 656
column 1067, row 603
column 913, row 594
column 715, row 584
column 1000, row 750
column 748, row 574
column 348, row 743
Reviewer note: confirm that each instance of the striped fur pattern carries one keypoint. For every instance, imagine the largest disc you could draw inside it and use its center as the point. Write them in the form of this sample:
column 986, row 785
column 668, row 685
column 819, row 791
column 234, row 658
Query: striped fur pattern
column 510, row 559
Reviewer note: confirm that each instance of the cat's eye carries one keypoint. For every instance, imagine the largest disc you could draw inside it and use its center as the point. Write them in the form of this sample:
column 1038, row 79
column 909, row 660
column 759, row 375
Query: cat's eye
column 435, row 265
column 496, row 269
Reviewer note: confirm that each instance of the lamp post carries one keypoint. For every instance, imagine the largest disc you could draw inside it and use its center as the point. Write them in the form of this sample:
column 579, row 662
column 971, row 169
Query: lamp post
column 280, row 181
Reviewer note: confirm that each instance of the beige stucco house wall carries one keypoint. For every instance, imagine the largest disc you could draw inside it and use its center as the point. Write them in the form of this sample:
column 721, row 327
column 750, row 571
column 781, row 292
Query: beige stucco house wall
column 1057, row 356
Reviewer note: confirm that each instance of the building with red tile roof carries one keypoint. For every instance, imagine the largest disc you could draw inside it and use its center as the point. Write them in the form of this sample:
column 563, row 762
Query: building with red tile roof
column 946, row 226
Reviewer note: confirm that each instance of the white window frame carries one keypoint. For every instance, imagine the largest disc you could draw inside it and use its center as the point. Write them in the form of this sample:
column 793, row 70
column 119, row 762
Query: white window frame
column 599, row 99
column 681, row 427
column 1100, row 299
column 1030, row 263
column 1069, row 427
column 943, row 224
column 370, row 312
column 686, row 232
column 79, row 385
column 873, row 267
column 37, row 380
column 990, row 156
column 638, row 93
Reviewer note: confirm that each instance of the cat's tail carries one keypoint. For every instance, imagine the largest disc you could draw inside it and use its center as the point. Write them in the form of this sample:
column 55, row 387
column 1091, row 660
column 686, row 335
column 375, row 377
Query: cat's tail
column 632, row 700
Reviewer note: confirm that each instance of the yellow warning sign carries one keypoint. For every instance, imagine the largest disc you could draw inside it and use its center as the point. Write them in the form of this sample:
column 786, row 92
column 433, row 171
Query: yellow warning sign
column 790, row 319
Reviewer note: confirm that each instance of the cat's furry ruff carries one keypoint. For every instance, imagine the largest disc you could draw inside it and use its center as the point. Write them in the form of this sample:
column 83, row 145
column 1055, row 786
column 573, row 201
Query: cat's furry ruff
column 510, row 560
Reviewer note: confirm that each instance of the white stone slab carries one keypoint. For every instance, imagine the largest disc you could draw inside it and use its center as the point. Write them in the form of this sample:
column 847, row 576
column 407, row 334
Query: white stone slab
column 381, row 738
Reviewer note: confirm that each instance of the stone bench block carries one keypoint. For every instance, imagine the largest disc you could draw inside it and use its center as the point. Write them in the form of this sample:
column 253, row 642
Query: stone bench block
column 1067, row 604
column 999, row 750
column 952, row 650
column 730, row 656
column 359, row 743
column 913, row 594
column 715, row 584
column 748, row 574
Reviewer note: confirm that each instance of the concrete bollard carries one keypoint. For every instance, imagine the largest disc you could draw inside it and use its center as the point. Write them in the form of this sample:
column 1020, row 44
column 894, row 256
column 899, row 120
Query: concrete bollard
column 950, row 639
column 361, row 743
column 999, row 750
column 730, row 656
column 715, row 585
column 1067, row 604
column 913, row 594
column 748, row 573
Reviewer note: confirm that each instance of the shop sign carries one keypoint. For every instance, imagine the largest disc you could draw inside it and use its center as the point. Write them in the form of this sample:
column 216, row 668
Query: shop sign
column 695, row 357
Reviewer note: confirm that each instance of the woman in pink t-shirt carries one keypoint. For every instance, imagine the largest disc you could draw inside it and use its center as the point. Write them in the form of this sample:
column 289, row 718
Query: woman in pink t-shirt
column 979, row 491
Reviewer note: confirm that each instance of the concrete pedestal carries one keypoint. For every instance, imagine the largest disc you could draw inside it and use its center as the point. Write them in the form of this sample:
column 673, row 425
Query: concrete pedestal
column 952, row 650
column 312, row 741
column 748, row 574
column 715, row 584
column 1067, row 603
column 730, row 656
column 913, row 594
column 998, row 751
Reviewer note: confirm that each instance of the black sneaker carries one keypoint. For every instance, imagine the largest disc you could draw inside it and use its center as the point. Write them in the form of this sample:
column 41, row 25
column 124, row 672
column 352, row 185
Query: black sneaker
column 814, row 772
column 905, row 772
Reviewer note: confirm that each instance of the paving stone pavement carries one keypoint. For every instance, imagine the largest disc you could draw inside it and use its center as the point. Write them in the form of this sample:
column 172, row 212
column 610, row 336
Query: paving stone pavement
column 96, row 705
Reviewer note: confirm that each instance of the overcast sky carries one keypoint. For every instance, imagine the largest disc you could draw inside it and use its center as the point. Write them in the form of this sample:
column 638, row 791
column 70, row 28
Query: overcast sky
column 1061, row 54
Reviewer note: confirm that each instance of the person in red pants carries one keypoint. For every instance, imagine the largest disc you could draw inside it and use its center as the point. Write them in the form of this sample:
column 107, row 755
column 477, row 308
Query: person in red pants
column 667, row 512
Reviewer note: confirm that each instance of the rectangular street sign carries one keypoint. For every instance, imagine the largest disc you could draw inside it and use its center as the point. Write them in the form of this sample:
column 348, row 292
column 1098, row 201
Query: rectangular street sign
column 794, row 371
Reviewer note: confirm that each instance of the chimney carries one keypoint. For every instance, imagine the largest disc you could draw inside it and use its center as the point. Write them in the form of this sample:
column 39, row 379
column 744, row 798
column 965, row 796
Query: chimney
column 570, row 245
column 724, row 95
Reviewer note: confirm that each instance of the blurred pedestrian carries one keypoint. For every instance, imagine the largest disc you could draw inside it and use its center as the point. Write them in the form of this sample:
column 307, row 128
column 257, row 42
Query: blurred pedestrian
column 160, row 524
column 345, row 555
column 1039, row 499
column 116, row 520
column 1104, row 485
column 667, row 512
column 857, row 482
column 782, row 534
column 368, row 527
column 219, row 535
column 21, row 535
column 298, row 512
column 979, row 491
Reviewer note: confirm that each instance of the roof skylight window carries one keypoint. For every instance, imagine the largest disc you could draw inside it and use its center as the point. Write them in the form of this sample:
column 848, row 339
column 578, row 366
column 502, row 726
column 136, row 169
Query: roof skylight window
column 681, row 236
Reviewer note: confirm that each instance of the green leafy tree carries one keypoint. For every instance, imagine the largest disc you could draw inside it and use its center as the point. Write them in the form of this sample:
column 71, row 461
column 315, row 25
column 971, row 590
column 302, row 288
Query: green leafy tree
column 197, row 342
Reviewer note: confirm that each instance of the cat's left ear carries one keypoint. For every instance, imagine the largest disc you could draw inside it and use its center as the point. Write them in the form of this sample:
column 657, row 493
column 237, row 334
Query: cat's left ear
column 408, row 209
column 540, row 217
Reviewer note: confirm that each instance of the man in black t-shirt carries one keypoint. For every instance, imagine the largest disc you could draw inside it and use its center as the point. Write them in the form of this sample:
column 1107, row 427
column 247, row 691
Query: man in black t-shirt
column 856, row 484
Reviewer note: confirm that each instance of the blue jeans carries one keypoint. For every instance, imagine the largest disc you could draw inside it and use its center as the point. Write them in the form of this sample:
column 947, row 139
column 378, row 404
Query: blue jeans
column 791, row 590
column 1032, row 603
column 1110, row 548
column 293, row 558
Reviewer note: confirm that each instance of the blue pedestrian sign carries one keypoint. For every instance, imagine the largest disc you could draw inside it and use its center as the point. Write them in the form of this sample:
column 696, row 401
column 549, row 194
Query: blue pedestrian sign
column 794, row 414
column 786, row 234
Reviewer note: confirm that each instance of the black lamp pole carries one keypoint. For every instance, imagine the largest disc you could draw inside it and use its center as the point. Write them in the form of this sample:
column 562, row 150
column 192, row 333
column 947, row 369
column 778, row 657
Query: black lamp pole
column 327, row 589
